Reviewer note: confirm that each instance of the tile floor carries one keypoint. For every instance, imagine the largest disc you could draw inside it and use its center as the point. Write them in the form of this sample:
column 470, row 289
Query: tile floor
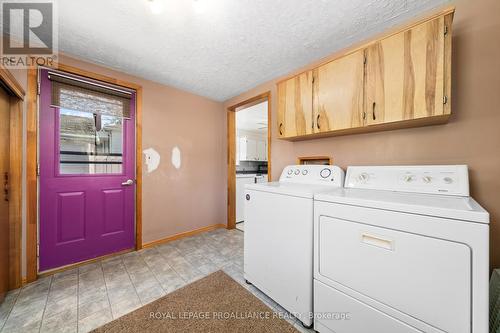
column 81, row 299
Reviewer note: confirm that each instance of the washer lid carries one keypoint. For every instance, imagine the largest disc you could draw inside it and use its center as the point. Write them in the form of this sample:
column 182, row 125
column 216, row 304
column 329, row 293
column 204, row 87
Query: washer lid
column 459, row 208
column 293, row 189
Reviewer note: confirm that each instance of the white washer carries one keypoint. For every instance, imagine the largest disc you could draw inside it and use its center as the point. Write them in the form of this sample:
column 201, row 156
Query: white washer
column 401, row 249
column 279, row 235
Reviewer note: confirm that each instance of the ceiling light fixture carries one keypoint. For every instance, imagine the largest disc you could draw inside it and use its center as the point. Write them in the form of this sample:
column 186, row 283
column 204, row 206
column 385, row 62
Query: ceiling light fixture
column 156, row 6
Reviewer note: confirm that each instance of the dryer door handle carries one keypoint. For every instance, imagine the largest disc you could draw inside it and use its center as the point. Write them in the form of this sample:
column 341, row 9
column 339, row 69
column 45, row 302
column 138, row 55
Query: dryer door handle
column 377, row 241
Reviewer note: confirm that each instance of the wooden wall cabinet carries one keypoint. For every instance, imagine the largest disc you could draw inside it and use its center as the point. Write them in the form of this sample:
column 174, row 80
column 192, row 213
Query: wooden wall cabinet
column 402, row 80
column 338, row 93
column 405, row 75
column 295, row 106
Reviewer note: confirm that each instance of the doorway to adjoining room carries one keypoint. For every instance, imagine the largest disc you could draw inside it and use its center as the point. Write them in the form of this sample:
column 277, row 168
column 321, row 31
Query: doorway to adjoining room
column 251, row 153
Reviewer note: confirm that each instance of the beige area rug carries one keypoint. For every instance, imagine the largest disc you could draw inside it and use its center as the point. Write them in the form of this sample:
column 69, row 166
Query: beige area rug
column 215, row 303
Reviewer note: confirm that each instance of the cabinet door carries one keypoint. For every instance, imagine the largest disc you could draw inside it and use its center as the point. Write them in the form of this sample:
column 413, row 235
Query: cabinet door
column 265, row 151
column 242, row 146
column 405, row 75
column 248, row 149
column 252, row 150
column 295, row 106
column 237, row 157
column 338, row 93
column 261, row 150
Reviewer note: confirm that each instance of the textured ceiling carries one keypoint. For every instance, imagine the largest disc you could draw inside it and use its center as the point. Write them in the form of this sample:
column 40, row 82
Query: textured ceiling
column 221, row 48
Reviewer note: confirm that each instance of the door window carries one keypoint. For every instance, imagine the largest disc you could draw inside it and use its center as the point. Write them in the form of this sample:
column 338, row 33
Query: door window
column 90, row 143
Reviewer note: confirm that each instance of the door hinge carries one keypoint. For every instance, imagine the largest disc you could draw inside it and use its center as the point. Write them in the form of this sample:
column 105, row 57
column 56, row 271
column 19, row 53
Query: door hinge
column 445, row 30
column 364, row 59
column 38, row 169
column 38, row 87
column 38, row 250
column 445, row 99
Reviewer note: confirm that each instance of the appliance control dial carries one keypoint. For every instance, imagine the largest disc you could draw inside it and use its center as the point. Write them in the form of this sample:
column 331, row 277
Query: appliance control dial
column 448, row 180
column 325, row 173
column 290, row 171
column 297, row 172
column 427, row 179
column 409, row 178
column 305, row 172
column 363, row 177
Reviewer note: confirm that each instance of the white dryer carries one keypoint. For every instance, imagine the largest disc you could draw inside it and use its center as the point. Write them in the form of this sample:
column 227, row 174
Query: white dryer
column 401, row 249
column 278, row 236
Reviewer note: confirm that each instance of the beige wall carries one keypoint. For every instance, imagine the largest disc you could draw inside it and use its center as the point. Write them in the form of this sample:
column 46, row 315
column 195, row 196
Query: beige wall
column 192, row 197
column 174, row 200
column 471, row 137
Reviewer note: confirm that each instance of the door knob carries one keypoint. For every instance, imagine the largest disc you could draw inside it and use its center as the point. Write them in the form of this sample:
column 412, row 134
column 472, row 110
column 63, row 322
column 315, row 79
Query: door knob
column 128, row 182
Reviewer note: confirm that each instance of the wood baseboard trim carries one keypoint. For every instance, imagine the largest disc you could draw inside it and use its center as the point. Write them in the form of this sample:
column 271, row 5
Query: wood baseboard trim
column 182, row 235
column 81, row 263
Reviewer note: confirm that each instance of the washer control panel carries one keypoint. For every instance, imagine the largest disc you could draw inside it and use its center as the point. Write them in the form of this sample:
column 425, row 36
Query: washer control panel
column 313, row 174
column 432, row 179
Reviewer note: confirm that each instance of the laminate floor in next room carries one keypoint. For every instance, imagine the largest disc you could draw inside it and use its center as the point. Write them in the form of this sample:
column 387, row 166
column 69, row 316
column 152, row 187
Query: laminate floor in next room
column 81, row 299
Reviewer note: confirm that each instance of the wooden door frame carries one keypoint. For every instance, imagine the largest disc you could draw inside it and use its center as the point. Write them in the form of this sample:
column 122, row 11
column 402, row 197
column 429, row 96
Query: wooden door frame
column 231, row 150
column 16, row 93
column 32, row 161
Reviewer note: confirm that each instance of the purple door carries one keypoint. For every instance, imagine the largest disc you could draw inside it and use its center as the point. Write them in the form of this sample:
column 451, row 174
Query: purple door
column 87, row 173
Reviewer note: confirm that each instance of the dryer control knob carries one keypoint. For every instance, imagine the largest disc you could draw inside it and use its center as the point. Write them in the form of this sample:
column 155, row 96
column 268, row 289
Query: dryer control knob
column 325, row 173
column 427, row 179
column 448, row 180
column 297, row 172
column 409, row 178
column 290, row 171
column 363, row 177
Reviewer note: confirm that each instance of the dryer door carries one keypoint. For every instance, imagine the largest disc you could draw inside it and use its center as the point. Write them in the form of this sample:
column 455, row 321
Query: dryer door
column 423, row 277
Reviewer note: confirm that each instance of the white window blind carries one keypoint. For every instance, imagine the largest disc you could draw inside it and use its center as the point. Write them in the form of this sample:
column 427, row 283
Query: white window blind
column 90, row 96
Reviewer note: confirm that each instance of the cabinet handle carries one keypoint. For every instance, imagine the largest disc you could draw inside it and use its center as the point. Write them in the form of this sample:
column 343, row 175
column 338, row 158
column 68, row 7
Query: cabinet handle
column 373, row 111
column 317, row 122
column 364, row 115
column 280, row 128
column 6, row 186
